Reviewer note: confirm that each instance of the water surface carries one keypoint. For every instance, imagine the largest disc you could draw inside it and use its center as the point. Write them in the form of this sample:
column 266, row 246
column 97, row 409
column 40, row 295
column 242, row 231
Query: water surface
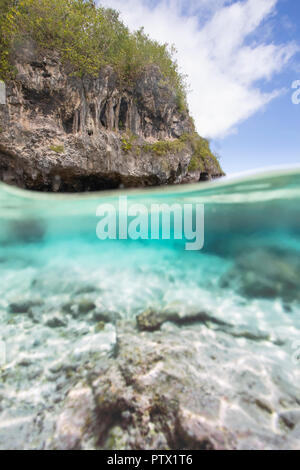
column 247, row 274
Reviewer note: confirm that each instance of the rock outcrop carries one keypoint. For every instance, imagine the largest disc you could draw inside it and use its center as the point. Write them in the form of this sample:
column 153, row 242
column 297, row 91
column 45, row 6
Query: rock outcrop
column 59, row 132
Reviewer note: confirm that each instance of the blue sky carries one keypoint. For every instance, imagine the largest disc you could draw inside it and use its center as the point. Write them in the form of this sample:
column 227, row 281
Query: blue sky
column 272, row 135
column 241, row 57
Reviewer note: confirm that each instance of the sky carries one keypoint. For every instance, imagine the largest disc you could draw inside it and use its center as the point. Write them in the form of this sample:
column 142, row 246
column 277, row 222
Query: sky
column 241, row 58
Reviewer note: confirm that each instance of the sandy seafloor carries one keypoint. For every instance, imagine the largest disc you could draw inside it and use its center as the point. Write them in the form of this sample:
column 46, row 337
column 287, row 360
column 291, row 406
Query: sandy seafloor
column 140, row 345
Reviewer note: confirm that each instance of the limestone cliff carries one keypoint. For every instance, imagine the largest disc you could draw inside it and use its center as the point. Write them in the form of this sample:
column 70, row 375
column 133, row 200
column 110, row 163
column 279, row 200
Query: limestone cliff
column 59, row 132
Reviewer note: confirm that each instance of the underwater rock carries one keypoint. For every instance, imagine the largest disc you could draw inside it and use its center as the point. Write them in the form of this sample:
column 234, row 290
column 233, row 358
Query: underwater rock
column 197, row 434
column 141, row 393
column 27, row 230
column 104, row 316
column 178, row 391
column 76, row 419
column 87, row 289
column 79, row 306
column 85, row 305
column 289, row 418
column 249, row 332
column 68, row 307
column 265, row 273
column 56, row 321
column 151, row 320
column 23, row 305
column 25, row 362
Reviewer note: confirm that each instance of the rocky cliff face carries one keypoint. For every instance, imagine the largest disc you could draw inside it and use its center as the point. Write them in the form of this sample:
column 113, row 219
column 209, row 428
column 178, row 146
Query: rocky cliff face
column 64, row 133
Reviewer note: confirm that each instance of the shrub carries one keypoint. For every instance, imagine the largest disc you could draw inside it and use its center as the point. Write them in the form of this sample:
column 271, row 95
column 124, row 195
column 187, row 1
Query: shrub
column 196, row 163
column 202, row 158
column 128, row 142
column 163, row 147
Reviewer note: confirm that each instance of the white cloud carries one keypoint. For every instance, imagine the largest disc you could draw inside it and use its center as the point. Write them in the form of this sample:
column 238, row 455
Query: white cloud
column 223, row 69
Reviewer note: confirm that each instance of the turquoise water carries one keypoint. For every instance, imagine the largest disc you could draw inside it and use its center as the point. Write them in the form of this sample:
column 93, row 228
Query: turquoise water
column 247, row 220
column 247, row 273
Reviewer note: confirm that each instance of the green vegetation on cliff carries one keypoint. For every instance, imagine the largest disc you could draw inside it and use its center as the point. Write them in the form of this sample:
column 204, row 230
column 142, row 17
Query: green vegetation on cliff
column 202, row 159
column 87, row 37
column 57, row 148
